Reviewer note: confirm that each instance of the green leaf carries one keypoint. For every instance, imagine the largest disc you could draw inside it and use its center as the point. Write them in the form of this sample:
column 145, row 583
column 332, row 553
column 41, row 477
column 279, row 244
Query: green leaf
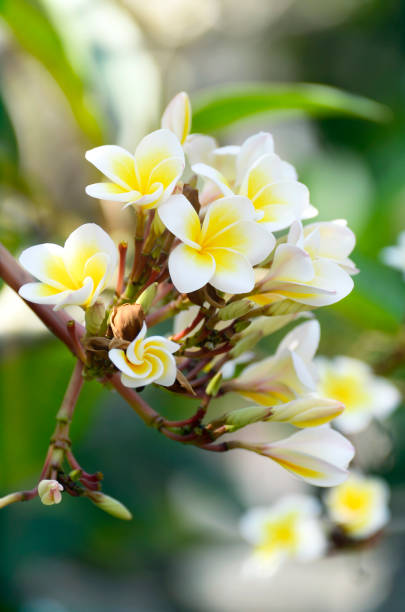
column 217, row 108
column 37, row 36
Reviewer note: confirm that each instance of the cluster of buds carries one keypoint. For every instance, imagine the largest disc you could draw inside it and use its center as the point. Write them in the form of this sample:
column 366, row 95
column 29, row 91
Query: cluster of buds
column 206, row 255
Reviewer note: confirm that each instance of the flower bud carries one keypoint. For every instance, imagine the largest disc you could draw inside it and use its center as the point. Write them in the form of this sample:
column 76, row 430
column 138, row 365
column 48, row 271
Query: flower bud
column 110, row 505
column 126, row 321
column 214, row 384
column 146, row 298
column 235, row 310
column 49, row 492
column 246, row 343
column 94, row 318
column 245, row 416
column 177, row 116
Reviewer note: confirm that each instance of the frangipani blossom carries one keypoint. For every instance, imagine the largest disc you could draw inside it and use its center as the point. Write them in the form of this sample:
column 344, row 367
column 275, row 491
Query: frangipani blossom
column 146, row 361
column 306, row 270
column 74, row 274
column 255, row 171
column 287, row 374
column 359, row 505
column 353, row 383
column 289, row 529
column 319, row 456
column 49, row 492
column 177, row 116
column 221, row 251
column 394, row 256
column 147, row 178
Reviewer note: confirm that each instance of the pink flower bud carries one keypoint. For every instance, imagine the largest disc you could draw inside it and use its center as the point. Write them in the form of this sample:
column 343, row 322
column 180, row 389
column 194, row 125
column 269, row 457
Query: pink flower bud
column 49, row 492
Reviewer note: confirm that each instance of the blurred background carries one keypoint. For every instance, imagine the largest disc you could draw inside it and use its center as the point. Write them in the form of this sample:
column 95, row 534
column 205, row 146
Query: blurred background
column 81, row 73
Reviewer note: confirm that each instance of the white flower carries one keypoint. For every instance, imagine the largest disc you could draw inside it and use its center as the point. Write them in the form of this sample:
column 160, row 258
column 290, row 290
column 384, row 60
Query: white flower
column 255, row 171
column 147, row 178
column 177, row 116
column 286, row 374
column 221, row 251
column 289, row 529
column 311, row 267
column 394, row 256
column 319, row 456
column 74, row 274
column 359, row 505
column 146, row 361
column 364, row 395
column 49, row 492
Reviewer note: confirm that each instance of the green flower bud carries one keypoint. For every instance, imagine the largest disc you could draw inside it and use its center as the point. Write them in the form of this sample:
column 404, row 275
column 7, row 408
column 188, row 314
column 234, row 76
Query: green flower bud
column 146, row 298
column 246, row 343
column 110, row 505
column 235, row 310
column 245, row 416
column 214, row 384
column 94, row 318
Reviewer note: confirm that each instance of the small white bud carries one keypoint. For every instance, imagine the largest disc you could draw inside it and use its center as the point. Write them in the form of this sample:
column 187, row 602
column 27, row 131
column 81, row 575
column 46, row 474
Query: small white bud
column 49, row 492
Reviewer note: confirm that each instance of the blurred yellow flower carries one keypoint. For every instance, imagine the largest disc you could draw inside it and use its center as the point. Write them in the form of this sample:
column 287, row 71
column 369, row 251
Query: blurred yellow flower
column 359, row 505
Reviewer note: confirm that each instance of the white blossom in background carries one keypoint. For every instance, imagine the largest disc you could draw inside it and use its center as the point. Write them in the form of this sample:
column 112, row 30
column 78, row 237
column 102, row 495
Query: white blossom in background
column 312, row 267
column 394, row 256
column 289, row 529
column 49, row 492
column 74, row 274
column 145, row 179
column 146, row 360
column 221, row 251
column 364, row 395
column 359, row 505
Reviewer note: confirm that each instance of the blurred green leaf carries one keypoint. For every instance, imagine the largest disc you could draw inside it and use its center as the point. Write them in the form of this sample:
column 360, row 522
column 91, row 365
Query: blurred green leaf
column 37, row 36
column 8, row 140
column 219, row 107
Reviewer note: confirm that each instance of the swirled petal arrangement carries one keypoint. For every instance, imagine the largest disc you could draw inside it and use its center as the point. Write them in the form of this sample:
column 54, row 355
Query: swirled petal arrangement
column 223, row 249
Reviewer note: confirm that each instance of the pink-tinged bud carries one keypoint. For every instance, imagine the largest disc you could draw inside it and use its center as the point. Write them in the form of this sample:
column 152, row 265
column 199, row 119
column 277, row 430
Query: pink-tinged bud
column 49, row 492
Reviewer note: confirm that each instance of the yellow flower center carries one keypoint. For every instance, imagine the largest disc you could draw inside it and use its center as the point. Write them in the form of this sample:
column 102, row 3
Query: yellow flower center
column 279, row 534
column 347, row 389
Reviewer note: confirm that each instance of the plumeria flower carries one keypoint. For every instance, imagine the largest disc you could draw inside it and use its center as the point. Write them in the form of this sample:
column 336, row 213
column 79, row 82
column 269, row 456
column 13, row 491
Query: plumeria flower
column 310, row 268
column 146, row 361
column 319, row 456
column 74, row 274
column 177, row 116
column 255, row 171
column 364, row 395
column 221, row 251
column 49, row 492
column 394, row 256
column 286, row 374
column 289, row 529
column 359, row 505
column 145, row 179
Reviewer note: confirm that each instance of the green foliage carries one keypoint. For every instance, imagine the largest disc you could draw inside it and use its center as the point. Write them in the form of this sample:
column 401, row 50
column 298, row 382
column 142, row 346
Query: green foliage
column 36, row 34
column 217, row 108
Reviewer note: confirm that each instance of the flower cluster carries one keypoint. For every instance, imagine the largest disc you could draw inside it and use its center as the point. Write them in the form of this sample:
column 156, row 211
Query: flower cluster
column 206, row 254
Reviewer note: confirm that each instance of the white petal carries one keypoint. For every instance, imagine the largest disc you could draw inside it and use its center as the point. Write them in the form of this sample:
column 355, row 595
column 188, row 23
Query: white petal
column 168, row 377
column 190, row 269
column 112, row 192
column 177, row 116
column 80, row 297
column 233, row 272
column 291, row 263
column 45, row 262
column 213, row 175
column 116, row 163
column 199, row 148
column 303, row 339
column 252, row 149
column 322, row 442
column 153, row 149
column 180, row 218
column 85, row 241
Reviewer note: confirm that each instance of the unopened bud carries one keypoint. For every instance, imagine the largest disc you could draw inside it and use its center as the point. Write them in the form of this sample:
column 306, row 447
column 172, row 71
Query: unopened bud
column 126, row 321
column 110, row 505
column 246, row 343
column 245, row 416
column 49, row 492
column 146, row 298
column 94, row 318
column 214, row 384
column 235, row 310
